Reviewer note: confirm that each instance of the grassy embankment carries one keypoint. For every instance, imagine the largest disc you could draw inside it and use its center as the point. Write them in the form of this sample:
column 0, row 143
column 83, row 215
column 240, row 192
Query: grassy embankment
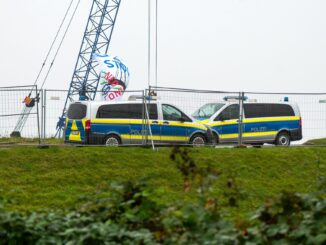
column 316, row 142
column 36, row 179
column 29, row 141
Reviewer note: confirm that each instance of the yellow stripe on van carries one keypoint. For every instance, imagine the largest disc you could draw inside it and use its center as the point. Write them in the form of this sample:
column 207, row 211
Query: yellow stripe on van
column 203, row 121
column 185, row 124
column 271, row 119
column 254, row 120
column 136, row 121
column 119, row 121
column 253, row 134
column 228, row 122
column 74, row 125
column 155, row 137
column 73, row 137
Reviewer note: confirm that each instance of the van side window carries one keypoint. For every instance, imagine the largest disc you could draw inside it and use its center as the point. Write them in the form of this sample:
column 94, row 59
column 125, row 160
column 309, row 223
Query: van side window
column 170, row 113
column 152, row 111
column 268, row 110
column 230, row 113
column 126, row 111
column 77, row 111
column 120, row 111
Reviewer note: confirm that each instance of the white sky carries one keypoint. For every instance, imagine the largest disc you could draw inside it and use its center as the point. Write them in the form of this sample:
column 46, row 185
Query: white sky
column 250, row 45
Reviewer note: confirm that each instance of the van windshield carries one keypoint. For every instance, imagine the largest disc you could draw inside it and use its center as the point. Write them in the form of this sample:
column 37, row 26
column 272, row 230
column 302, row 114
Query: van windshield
column 77, row 111
column 208, row 110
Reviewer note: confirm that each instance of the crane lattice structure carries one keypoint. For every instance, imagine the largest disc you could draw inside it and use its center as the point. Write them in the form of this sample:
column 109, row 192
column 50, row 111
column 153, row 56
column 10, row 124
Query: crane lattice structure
column 97, row 38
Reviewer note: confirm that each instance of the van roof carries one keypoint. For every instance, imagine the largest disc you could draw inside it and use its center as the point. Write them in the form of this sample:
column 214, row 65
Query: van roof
column 254, row 102
column 112, row 102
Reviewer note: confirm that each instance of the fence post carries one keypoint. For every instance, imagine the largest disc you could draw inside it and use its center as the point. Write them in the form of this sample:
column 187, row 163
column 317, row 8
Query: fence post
column 38, row 115
column 240, row 129
column 44, row 114
column 143, row 128
column 148, row 120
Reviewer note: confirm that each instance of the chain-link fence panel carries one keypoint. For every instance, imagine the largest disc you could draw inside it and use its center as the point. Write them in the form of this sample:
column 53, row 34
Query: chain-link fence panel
column 54, row 103
column 268, row 122
column 17, row 120
column 177, row 116
column 199, row 107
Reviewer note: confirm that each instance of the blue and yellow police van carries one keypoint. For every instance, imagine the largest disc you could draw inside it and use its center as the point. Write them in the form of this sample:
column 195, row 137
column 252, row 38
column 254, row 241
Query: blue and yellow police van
column 274, row 123
column 131, row 122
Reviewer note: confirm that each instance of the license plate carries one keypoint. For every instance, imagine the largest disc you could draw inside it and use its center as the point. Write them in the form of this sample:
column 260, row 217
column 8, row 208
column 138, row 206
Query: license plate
column 75, row 132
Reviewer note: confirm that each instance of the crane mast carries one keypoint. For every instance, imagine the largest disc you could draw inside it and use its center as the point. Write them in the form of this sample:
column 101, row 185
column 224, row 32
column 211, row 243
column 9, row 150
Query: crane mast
column 97, row 38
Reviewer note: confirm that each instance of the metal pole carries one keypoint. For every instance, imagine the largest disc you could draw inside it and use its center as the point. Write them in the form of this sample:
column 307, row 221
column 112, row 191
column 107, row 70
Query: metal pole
column 143, row 128
column 38, row 117
column 241, row 98
column 42, row 115
column 44, row 108
column 149, row 43
column 156, row 42
column 149, row 125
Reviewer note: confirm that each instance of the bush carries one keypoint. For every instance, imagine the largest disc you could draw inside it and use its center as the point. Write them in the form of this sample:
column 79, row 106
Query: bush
column 125, row 214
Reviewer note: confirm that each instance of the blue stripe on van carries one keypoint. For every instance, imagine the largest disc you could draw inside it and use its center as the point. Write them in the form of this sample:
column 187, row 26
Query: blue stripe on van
column 107, row 128
column 179, row 131
column 127, row 129
column 270, row 126
column 68, row 129
column 81, row 129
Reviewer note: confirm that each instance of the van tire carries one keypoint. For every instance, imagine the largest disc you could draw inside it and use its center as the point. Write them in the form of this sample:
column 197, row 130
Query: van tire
column 216, row 139
column 283, row 139
column 112, row 140
column 198, row 140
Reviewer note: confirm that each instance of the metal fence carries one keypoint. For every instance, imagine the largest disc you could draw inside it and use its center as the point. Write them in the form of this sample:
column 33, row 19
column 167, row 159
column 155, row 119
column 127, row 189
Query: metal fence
column 45, row 115
column 312, row 106
column 12, row 109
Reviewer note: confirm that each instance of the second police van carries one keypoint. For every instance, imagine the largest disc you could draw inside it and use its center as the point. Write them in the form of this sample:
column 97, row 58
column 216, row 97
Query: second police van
column 122, row 122
column 275, row 123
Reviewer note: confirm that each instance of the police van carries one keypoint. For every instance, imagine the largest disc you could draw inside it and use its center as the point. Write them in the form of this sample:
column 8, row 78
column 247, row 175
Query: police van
column 274, row 123
column 116, row 123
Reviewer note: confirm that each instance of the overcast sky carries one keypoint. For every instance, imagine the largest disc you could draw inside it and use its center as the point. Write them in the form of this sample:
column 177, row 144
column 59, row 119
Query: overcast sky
column 250, row 45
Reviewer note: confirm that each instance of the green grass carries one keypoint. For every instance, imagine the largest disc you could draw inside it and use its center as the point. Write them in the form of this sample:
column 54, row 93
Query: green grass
column 33, row 141
column 316, row 142
column 35, row 179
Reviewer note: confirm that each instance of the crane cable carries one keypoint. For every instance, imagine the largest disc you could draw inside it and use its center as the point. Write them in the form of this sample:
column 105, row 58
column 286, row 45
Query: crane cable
column 60, row 45
column 51, row 47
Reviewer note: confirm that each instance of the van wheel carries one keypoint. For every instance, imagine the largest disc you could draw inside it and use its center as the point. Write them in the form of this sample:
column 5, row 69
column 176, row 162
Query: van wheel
column 283, row 139
column 112, row 140
column 215, row 140
column 198, row 140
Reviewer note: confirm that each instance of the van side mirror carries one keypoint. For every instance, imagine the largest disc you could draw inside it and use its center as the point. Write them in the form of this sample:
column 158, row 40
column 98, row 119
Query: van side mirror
column 182, row 119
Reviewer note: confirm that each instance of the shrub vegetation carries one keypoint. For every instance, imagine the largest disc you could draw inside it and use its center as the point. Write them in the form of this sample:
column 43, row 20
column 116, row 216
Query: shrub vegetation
column 126, row 213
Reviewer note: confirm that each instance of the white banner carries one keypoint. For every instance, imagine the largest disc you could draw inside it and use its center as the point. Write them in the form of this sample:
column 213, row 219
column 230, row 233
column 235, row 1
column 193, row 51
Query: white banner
column 114, row 76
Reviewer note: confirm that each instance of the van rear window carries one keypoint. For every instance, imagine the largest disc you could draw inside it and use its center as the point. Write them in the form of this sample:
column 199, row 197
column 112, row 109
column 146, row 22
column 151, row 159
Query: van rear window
column 268, row 110
column 77, row 111
column 126, row 111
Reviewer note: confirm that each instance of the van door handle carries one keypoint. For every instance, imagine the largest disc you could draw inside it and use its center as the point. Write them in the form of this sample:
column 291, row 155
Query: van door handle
column 166, row 123
column 155, row 122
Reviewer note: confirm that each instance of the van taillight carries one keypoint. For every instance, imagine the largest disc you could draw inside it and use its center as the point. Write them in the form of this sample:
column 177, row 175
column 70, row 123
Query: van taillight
column 88, row 126
column 300, row 122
